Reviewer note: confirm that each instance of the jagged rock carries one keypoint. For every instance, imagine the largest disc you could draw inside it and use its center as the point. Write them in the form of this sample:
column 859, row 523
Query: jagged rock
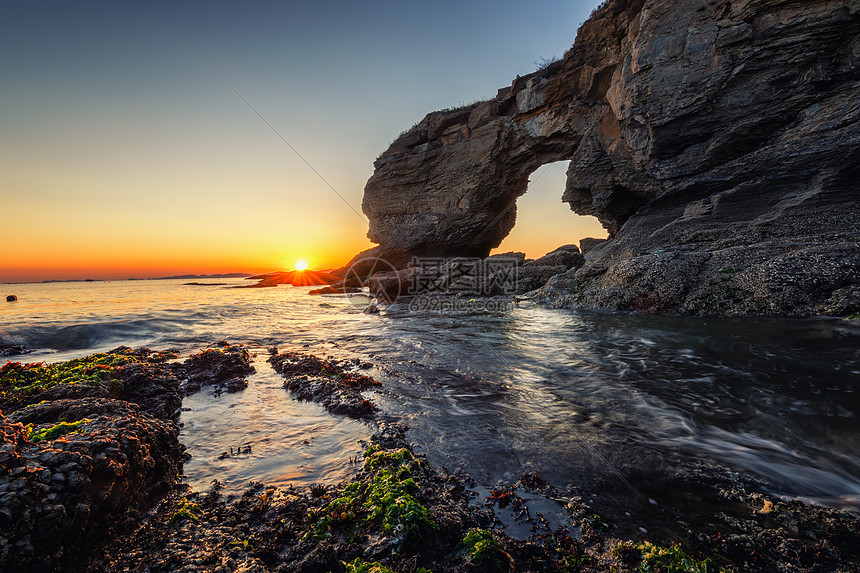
column 589, row 243
column 11, row 349
column 223, row 369
column 66, row 491
column 567, row 256
column 140, row 376
column 11, row 345
column 717, row 141
column 334, row 384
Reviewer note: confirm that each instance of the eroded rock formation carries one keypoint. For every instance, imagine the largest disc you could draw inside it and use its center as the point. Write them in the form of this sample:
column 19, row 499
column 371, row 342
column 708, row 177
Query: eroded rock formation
column 716, row 140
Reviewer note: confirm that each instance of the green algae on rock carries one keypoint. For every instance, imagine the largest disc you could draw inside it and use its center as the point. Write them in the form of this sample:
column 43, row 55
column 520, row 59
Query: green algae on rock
column 386, row 499
column 186, row 510
column 54, row 432
column 480, row 545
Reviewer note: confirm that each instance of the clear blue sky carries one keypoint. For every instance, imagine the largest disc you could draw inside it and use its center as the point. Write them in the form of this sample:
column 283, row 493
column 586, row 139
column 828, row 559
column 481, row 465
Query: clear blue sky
column 122, row 149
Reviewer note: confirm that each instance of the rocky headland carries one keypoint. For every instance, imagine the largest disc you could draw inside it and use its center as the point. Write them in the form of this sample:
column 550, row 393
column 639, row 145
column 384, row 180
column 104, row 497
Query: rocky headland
column 717, row 141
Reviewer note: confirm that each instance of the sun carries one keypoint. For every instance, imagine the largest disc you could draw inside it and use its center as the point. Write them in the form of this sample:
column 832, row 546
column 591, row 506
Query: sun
column 301, row 265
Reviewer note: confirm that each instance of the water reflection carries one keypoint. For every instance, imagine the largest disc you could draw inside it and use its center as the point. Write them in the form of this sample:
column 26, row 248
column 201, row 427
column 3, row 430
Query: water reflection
column 574, row 396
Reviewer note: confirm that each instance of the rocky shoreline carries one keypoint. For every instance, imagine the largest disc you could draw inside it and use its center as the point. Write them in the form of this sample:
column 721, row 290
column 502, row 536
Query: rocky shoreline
column 90, row 467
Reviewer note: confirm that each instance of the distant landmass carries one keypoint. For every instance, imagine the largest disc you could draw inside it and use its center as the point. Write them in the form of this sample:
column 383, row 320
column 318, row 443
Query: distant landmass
column 215, row 276
column 189, row 276
column 295, row 278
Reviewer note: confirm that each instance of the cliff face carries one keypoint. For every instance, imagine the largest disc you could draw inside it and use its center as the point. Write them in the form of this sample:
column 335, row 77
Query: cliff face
column 717, row 141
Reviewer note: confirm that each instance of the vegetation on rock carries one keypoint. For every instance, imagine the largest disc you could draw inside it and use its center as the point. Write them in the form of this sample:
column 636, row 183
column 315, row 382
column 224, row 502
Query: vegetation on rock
column 186, row 510
column 54, row 432
column 386, row 499
column 673, row 559
column 480, row 545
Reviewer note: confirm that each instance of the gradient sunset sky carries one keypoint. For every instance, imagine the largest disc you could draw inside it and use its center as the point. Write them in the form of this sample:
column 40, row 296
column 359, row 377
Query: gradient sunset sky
column 123, row 152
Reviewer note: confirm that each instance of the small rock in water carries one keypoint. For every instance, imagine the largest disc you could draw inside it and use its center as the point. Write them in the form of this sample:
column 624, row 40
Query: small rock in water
column 11, row 298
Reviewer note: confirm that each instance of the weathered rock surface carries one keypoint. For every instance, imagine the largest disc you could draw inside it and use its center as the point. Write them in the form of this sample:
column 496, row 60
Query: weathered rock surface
column 334, row 384
column 223, row 369
column 401, row 513
column 10, row 345
column 88, row 444
column 716, row 140
column 133, row 375
column 62, row 493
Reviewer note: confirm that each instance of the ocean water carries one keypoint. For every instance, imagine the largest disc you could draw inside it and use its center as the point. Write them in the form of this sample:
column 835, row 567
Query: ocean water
column 578, row 397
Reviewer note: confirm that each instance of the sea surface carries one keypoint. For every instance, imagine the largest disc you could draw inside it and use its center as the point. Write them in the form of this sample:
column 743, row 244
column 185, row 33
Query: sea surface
column 577, row 397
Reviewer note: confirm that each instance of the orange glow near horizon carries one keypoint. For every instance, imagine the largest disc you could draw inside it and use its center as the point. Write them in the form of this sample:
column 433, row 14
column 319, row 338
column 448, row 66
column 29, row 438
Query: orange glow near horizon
column 301, row 265
column 126, row 157
column 70, row 236
column 144, row 260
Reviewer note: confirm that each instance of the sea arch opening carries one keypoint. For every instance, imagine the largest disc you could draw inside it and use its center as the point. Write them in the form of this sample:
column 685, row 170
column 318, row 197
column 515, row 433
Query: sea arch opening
column 542, row 223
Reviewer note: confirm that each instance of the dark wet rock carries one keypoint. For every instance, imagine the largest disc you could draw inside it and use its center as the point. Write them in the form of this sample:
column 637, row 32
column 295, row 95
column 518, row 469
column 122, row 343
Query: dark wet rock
column 12, row 349
column 140, row 376
column 153, row 386
column 334, row 384
column 305, row 529
column 729, row 517
column 716, row 515
column 224, row 369
column 11, row 298
column 99, row 460
column 11, row 345
column 90, row 443
column 719, row 517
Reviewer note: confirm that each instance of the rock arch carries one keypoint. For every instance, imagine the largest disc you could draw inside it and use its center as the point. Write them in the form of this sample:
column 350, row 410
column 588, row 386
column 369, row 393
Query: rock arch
column 706, row 136
column 449, row 185
column 543, row 224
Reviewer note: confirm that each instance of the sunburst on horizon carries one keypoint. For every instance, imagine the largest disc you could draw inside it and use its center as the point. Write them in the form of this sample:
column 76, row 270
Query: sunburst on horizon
column 301, row 265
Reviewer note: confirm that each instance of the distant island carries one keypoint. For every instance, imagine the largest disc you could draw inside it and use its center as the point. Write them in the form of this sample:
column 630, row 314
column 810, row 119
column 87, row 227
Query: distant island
column 188, row 276
column 215, row 276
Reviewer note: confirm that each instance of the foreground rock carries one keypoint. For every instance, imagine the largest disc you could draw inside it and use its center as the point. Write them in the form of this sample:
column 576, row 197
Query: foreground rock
column 10, row 349
column 224, row 369
column 398, row 514
column 70, row 470
column 717, row 141
column 139, row 376
column 87, row 444
column 77, row 476
column 335, row 384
